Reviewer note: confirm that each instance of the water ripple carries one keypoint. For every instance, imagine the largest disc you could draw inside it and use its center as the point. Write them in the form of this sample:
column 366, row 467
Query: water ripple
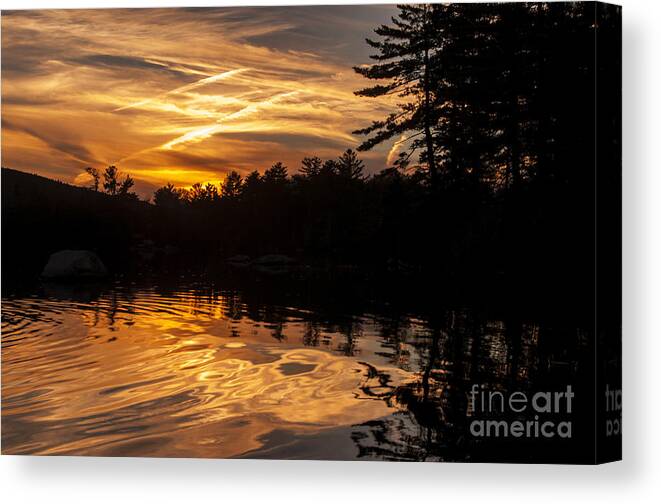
column 203, row 373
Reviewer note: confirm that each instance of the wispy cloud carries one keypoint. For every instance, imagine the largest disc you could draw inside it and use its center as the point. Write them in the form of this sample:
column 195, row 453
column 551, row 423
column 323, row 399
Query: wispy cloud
column 198, row 135
column 395, row 150
column 55, row 142
column 176, row 94
column 188, row 87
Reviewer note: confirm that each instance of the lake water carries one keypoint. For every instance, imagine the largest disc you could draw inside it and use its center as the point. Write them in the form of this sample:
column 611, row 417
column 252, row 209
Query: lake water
column 205, row 372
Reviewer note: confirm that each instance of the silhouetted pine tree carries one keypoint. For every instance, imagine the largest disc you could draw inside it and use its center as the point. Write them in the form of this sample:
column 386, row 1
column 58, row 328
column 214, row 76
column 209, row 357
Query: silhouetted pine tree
column 231, row 186
column 110, row 182
column 311, row 166
column 96, row 177
column 406, row 57
column 349, row 167
column 125, row 186
column 168, row 196
column 276, row 175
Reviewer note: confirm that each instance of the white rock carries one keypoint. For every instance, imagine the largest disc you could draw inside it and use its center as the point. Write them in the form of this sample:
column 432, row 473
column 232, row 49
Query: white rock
column 74, row 264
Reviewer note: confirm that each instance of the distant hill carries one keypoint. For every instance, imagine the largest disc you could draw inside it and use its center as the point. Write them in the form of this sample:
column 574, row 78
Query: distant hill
column 21, row 189
column 41, row 216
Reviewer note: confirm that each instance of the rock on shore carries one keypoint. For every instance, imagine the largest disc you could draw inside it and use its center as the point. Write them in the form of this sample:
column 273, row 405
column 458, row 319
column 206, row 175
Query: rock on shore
column 74, row 265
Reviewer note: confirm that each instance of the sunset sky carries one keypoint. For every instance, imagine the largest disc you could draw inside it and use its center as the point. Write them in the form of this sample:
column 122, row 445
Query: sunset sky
column 184, row 95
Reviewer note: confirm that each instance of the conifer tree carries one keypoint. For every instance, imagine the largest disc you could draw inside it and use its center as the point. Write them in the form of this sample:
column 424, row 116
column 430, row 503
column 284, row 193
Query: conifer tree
column 276, row 175
column 231, row 186
column 405, row 59
column 349, row 166
column 311, row 166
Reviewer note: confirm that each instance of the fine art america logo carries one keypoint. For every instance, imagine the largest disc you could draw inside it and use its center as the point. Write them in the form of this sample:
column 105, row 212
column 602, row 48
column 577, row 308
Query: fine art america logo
column 520, row 415
column 613, row 411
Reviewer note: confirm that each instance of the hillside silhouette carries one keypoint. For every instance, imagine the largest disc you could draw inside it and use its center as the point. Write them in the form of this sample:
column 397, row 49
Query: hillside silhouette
column 41, row 216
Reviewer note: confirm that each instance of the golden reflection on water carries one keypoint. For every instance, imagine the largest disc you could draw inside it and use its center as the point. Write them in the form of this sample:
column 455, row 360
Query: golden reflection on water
column 180, row 374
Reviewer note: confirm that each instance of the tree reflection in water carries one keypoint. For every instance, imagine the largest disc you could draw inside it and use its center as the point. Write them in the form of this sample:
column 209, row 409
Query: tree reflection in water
column 401, row 379
column 433, row 417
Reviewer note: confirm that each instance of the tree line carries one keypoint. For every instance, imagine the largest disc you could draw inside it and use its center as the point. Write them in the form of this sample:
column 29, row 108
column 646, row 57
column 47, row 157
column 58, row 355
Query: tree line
column 326, row 211
column 494, row 179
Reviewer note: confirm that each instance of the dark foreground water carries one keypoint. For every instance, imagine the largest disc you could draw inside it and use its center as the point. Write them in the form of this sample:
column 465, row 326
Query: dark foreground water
column 203, row 372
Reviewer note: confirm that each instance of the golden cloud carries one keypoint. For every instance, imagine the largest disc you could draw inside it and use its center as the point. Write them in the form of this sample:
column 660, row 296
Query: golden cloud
column 179, row 94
